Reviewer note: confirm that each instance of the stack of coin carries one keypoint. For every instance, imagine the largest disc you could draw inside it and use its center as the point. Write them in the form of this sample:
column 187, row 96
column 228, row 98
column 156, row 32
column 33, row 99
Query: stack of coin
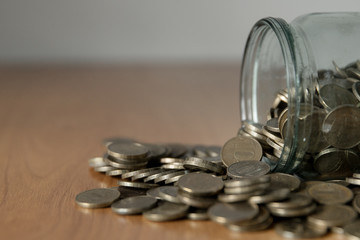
column 144, row 165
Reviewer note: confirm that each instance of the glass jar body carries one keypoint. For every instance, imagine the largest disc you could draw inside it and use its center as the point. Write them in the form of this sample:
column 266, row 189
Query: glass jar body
column 299, row 84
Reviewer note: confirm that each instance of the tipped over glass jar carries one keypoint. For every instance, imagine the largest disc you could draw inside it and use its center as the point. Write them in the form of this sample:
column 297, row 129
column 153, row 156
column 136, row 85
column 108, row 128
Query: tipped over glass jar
column 300, row 94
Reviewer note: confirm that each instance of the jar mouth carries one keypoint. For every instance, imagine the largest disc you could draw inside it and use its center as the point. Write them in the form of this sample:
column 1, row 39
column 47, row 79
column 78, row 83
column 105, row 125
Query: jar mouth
column 271, row 47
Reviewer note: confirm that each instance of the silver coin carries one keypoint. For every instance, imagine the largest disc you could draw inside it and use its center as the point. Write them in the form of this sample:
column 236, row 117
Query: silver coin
column 156, row 150
column 174, row 179
column 198, row 214
column 330, row 193
column 166, row 211
column 333, row 160
column 332, row 96
column 171, row 160
column 332, row 215
column 97, row 198
column 276, row 137
column 293, row 212
column 278, row 146
column 195, row 201
column 353, row 181
column 283, row 180
column 127, row 150
column 353, row 72
column 271, row 196
column 356, row 203
column 149, row 172
column 154, row 192
column 295, row 200
column 133, row 205
column 317, row 141
column 126, row 165
column 339, row 133
column 239, row 149
column 252, row 127
column 245, row 169
column 247, row 181
column 104, row 169
column 273, row 125
column 261, row 222
column 137, row 184
column 137, row 172
column 163, row 178
column 226, row 213
column 298, row 228
column 97, row 162
column 169, row 193
column 201, row 184
column 196, row 163
column 339, row 70
column 352, row 230
column 156, row 175
column 356, row 89
column 175, row 165
column 233, row 198
column 116, row 172
column 247, row 189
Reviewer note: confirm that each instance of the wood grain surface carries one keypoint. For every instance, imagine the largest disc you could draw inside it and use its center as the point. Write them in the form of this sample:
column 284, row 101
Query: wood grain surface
column 53, row 119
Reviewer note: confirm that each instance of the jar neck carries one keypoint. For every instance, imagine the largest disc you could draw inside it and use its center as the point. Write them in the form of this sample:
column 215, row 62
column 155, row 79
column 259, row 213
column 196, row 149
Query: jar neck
column 274, row 36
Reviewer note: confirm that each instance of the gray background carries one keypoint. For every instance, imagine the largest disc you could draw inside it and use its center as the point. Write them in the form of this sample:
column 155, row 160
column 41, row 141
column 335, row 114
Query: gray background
column 139, row 31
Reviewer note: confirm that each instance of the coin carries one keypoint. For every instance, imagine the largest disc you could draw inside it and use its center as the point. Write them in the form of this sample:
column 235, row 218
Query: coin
column 332, row 215
column 97, row 198
column 137, row 172
column 200, row 184
column 97, row 162
column 247, row 168
column 196, row 163
column 144, row 174
column 226, row 213
column 104, row 169
column 154, row 192
column 330, row 193
column 333, row 160
column 247, row 189
column 166, row 211
column 233, row 198
column 293, row 212
column 352, row 230
column 195, row 201
column 198, row 214
column 339, row 133
column 127, row 150
column 271, row 196
column 262, row 221
column 164, row 177
column 298, row 228
column 295, row 200
column 247, row 181
column 116, row 172
column 317, row 141
column 273, row 125
column 356, row 89
column 283, row 180
column 239, row 149
column 169, row 193
column 136, row 184
column 156, row 175
column 171, row 160
column 133, row 205
column 356, row 203
column 175, row 165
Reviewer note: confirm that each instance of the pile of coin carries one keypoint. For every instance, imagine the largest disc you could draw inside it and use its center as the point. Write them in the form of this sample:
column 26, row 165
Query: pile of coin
column 328, row 133
column 244, row 196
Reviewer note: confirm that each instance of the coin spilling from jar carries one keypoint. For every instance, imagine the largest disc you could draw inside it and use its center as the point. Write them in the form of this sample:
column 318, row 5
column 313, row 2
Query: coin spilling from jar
column 234, row 185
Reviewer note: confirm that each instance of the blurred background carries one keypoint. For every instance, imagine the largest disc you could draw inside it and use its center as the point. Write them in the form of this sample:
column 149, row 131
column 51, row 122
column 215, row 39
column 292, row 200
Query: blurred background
column 139, row 31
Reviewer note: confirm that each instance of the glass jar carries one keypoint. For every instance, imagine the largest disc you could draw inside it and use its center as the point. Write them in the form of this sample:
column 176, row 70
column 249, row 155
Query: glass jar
column 299, row 93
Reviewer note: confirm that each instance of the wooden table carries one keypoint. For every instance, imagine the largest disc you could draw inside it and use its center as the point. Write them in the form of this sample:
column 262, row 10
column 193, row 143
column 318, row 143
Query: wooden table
column 53, row 119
